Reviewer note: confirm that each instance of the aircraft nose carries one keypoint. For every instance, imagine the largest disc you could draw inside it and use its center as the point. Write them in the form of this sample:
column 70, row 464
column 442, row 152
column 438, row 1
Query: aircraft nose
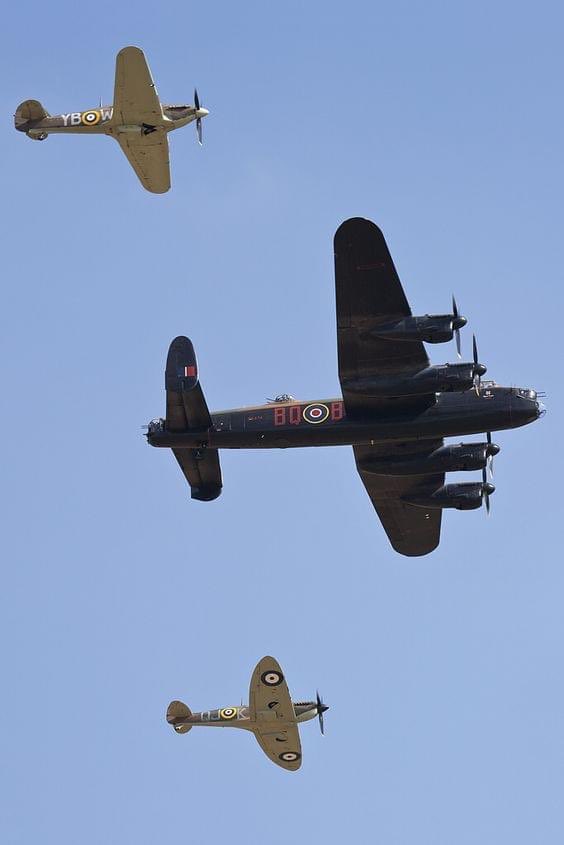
column 541, row 409
column 202, row 112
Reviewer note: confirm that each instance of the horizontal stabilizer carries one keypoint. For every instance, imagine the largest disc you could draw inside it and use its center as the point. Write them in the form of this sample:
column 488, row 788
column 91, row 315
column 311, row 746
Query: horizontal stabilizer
column 176, row 712
column 28, row 113
column 187, row 410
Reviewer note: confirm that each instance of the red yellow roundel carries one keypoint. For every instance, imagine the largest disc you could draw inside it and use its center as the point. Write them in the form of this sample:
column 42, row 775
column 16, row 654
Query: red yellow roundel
column 90, row 118
column 228, row 713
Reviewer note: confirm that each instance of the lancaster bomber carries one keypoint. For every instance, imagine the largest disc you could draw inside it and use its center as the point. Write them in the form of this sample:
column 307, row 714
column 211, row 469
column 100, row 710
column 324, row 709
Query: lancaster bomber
column 271, row 715
column 395, row 411
column 137, row 120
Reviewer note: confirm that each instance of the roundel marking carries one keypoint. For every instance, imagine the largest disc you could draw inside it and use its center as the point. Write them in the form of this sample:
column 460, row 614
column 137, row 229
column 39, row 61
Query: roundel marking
column 289, row 756
column 272, row 678
column 90, row 118
column 228, row 713
column 316, row 413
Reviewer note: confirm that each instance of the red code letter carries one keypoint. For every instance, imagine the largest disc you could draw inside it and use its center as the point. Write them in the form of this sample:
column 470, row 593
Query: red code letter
column 336, row 411
column 280, row 416
column 295, row 415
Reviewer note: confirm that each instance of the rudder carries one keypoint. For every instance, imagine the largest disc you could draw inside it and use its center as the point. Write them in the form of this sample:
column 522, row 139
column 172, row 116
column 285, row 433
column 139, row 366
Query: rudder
column 176, row 712
column 28, row 114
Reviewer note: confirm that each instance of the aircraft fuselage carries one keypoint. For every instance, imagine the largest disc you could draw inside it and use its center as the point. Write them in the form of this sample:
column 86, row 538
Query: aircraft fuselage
column 299, row 424
column 239, row 717
column 99, row 121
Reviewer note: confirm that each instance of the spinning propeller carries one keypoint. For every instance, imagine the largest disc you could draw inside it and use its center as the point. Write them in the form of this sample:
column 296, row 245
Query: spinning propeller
column 478, row 370
column 487, row 490
column 491, row 450
column 458, row 322
column 198, row 118
column 321, row 708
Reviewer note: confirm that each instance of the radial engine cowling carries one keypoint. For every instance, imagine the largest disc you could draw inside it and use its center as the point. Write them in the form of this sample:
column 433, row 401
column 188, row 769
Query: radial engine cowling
column 463, row 497
column 459, row 457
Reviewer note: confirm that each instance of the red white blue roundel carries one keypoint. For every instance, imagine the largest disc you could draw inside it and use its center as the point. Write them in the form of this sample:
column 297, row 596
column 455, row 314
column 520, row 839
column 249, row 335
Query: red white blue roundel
column 316, row 413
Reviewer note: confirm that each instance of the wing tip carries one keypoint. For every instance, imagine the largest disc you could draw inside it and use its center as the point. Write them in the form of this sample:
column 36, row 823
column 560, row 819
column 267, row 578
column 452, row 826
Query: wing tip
column 357, row 224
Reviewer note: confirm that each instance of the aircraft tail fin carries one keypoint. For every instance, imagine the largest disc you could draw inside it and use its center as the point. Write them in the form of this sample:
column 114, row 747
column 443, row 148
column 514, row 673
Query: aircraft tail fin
column 187, row 410
column 28, row 114
column 176, row 712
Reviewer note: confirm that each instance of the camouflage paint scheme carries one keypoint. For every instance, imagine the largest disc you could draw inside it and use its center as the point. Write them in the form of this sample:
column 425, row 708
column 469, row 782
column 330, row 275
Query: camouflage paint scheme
column 137, row 120
column 96, row 121
column 270, row 715
column 395, row 410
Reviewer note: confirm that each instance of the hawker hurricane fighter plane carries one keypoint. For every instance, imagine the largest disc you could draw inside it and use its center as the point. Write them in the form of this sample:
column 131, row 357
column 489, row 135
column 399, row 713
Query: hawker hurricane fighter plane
column 137, row 120
column 395, row 411
column 270, row 715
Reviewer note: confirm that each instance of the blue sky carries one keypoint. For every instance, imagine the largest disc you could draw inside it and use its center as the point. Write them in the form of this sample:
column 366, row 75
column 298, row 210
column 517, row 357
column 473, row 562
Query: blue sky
column 443, row 123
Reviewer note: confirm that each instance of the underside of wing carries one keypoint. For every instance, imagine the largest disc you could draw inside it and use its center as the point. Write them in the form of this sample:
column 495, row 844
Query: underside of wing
column 369, row 293
column 269, row 697
column 136, row 100
column 270, row 706
column 149, row 157
column 202, row 472
column 283, row 747
column 411, row 530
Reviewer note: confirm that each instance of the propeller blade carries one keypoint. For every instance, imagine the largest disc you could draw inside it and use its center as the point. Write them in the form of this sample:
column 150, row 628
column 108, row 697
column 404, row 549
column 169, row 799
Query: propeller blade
column 199, row 130
column 196, row 99
column 491, row 450
column 458, row 322
column 478, row 369
column 320, row 711
column 487, row 490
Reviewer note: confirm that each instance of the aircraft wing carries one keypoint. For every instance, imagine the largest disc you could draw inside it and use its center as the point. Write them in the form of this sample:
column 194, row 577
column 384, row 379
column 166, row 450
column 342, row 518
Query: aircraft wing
column 368, row 292
column 281, row 746
column 271, row 708
column 149, row 157
column 411, row 530
column 136, row 100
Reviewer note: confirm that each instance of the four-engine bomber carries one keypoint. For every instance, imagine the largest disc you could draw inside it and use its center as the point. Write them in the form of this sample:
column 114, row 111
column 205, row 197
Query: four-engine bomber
column 395, row 411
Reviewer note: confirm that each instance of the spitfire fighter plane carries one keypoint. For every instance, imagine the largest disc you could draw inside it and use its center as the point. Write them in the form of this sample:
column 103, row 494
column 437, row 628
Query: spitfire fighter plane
column 395, row 411
column 270, row 715
column 137, row 120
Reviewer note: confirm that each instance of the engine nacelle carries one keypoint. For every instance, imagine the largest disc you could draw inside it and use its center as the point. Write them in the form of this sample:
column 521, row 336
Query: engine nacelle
column 459, row 457
column 442, row 379
column 463, row 497
column 432, row 328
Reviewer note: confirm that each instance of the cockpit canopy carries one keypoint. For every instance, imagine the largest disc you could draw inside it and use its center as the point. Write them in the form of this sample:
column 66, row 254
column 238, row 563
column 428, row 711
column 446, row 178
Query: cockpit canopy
column 283, row 397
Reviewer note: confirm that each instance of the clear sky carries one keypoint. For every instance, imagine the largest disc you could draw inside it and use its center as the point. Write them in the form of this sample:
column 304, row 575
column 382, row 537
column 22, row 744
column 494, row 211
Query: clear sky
column 443, row 122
